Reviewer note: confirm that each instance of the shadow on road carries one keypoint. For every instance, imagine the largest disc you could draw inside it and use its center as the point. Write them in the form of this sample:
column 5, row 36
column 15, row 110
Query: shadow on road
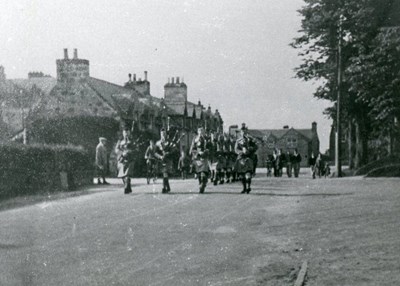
column 256, row 194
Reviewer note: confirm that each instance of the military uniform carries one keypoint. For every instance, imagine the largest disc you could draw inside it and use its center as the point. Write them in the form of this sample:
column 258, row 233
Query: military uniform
column 183, row 165
column 151, row 163
column 126, row 149
column 200, row 152
column 220, row 167
column 245, row 147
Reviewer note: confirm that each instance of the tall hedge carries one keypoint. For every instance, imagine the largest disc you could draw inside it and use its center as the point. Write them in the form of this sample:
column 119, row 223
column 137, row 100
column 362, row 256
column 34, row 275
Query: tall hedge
column 29, row 169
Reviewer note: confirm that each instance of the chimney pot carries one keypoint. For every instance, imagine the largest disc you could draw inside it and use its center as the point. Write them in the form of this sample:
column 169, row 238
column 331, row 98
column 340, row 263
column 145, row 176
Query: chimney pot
column 130, row 77
column 177, row 79
column 134, row 77
column 145, row 75
column 75, row 53
column 65, row 54
column 173, row 80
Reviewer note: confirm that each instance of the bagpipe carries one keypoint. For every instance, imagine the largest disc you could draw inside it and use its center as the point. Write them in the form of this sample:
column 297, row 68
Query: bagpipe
column 248, row 146
column 131, row 148
column 170, row 145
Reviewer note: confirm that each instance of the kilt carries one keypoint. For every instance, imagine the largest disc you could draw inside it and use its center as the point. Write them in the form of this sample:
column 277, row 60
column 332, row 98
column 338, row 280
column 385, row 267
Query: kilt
column 201, row 165
column 244, row 165
column 166, row 166
column 221, row 165
column 125, row 169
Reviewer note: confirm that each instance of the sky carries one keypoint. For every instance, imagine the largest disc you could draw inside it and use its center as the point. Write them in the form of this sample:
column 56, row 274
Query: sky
column 233, row 55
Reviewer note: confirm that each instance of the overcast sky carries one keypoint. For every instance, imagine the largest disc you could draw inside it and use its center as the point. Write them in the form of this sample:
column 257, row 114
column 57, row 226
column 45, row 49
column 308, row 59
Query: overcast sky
column 233, row 54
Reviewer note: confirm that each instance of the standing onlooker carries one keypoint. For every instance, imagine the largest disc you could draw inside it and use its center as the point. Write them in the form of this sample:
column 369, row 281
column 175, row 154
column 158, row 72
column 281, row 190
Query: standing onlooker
column 270, row 164
column 101, row 161
column 311, row 163
column 296, row 163
column 319, row 166
column 275, row 163
column 289, row 160
column 280, row 161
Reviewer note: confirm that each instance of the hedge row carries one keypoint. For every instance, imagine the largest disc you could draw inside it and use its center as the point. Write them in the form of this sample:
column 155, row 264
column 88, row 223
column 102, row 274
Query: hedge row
column 29, row 169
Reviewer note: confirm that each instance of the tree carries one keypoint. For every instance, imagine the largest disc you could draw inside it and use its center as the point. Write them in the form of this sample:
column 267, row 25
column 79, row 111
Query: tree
column 360, row 22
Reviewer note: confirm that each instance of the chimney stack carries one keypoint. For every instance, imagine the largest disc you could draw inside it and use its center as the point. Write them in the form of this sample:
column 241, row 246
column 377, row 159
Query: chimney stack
column 65, row 54
column 177, row 79
column 130, row 77
column 145, row 75
column 169, row 81
column 314, row 126
column 286, row 127
column 75, row 54
column 134, row 77
column 173, row 80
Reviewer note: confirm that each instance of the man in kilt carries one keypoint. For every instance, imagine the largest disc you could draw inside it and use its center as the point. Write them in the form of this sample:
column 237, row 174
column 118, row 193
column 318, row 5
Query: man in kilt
column 245, row 147
column 164, row 151
column 151, row 162
column 200, row 153
column 126, row 149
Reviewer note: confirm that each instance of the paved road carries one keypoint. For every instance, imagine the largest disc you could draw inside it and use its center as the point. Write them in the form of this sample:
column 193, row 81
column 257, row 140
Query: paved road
column 348, row 230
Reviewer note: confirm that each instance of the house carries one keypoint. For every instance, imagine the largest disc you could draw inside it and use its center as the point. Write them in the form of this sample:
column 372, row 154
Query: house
column 77, row 108
column 305, row 141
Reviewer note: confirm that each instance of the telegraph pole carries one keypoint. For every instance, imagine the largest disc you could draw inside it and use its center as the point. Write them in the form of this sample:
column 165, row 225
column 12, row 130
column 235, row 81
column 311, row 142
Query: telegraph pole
column 338, row 162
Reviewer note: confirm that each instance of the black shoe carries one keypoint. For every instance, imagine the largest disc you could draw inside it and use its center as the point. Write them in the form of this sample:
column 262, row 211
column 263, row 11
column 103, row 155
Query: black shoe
column 243, row 192
column 248, row 190
column 202, row 190
column 165, row 191
column 98, row 182
column 215, row 183
column 128, row 191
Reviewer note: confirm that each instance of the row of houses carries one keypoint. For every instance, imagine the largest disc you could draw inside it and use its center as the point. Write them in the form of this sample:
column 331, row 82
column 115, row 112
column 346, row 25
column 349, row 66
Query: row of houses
column 76, row 108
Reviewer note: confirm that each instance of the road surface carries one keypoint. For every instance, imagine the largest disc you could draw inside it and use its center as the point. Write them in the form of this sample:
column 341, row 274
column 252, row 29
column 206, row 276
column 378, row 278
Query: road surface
column 347, row 229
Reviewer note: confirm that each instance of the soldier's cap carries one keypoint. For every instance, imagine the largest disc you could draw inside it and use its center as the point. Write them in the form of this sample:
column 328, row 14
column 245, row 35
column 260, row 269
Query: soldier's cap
column 243, row 126
column 103, row 138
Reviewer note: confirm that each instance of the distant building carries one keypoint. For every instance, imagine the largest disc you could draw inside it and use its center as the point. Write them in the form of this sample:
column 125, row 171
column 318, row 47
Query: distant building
column 305, row 141
column 104, row 107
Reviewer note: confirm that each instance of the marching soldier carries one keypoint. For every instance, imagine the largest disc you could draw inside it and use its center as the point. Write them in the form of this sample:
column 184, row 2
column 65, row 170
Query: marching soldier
column 200, row 152
column 126, row 148
column 164, row 149
column 220, row 167
column 183, row 165
column 151, row 162
column 245, row 147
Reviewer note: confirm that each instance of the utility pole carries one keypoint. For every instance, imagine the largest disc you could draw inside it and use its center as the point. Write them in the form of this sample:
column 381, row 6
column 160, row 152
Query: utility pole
column 338, row 162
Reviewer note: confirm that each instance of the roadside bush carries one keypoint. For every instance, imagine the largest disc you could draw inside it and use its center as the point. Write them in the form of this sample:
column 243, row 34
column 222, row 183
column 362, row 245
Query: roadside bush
column 28, row 169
